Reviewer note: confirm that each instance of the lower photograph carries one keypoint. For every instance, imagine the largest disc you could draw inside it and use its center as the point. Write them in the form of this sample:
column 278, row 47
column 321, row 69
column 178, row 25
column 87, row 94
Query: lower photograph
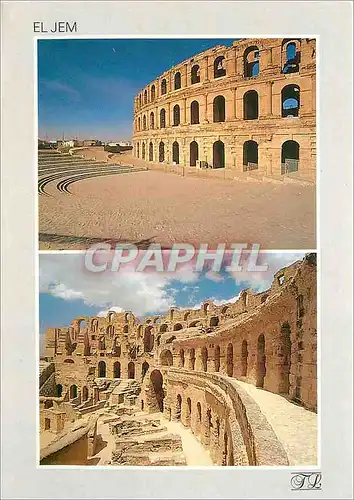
column 183, row 368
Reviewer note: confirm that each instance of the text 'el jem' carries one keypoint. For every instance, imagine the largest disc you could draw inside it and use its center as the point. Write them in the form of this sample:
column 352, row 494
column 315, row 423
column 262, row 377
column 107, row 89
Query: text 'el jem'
column 220, row 385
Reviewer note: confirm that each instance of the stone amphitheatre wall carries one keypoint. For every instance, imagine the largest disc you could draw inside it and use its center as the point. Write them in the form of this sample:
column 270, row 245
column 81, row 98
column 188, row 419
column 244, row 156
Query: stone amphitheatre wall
column 187, row 362
column 225, row 107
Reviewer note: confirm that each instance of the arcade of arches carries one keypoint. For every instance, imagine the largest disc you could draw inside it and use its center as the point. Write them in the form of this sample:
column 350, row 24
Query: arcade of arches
column 207, row 112
column 198, row 369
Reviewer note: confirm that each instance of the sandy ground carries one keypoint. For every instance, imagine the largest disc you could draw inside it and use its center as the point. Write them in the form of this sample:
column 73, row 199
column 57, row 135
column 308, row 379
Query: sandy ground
column 153, row 206
column 295, row 427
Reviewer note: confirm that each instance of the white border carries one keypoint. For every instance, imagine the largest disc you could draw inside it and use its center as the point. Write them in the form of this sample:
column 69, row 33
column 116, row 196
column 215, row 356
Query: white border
column 332, row 22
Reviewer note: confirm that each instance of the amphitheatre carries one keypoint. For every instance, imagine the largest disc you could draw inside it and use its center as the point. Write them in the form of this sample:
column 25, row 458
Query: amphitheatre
column 221, row 385
column 224, row 149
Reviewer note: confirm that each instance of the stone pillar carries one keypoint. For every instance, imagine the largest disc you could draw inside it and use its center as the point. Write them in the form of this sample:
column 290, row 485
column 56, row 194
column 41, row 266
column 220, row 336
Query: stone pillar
column 205, row 108
column 184, row 117
column 185, row 75
column 269, row 98
column 206, row 69
column 170, row 81
column 313, row 92
column 168, row 117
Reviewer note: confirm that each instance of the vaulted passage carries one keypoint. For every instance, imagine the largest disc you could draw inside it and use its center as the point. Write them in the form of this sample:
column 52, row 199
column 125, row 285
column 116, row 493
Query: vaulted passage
column 218, row 154
column 101, row 369
column 161, row 152
column 116, row 369
column 157, row 394
column 194, row 112
column 290, row 152
column 151, row 152
column 261, row 362
column 290, row 101
column 250, row 105
column 219, row 109
column 250, row 155
column 131, row 370
column 175, row 153
column 195, row 74
column 193, row 153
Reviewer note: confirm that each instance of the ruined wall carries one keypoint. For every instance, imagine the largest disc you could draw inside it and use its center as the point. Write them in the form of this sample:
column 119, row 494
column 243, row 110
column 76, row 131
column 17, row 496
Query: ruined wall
column 259, row 116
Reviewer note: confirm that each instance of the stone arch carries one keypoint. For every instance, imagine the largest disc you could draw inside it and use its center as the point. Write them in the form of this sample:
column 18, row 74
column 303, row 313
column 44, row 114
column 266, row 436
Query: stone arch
column 195, row 74
column 163, row 328
column 224, row 310
column 116, row 348
column 194, row 112
column 144, row 369
column 170, row 339
column 250, row 155
column 186, row 315
column 69, row 360
column 230, row 360
column 164, row 87
column 218, row 154
column 152, row 120
column 264, row 298
column 177, row 327
column 176, row 115
column 94, row 325
column 179, row 407
column 290, row 155
column 214, row 321
column 193, row 153
column 110, row 330
column 148, row 339
column 166, row 358
column 161, row 152
column 46, row 424
column 73, row 391
column 192, row 359
column 102, row 343
column 244, row 298
column 177, row 80
column 244, row 359
column 250, row 105
column 204, row 359
column 193, row 324
column 217, row 358
column 143, row 151
column 175, row 152
column 116, row 370
column 85, row 393
column 131, row 370
column 181, row 358
column 219, row 109
column 162, row 118
column 151, row 151
column 261, row 361
column 145, row 96
column 153, row 93
column 59, row 390
column 291, row 55
column 102, row 369
column 157, row 392
column 290, row 101
column 48, row 404
column 251, row 61
column 144, row 123
column 219, row 67
column 285, row 348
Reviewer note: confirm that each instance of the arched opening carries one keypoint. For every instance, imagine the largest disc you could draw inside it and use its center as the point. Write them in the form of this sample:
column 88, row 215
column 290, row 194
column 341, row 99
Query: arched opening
column 186, row 315
column 178, row 407
column 144, row 369
column 153, row 92
column 250, row 155
column 163, row 87
column 251, row 61
column 177, row 327
column 157, row 393
column 290, row 101
column 177, row 80
column 175, row 153
column 193, row 153
column 214, row 321
column 131, row 370
column 73, row 391
column 68, row 361
column 199, row 418
column 46, row 424
column 48, row 404
column 208, row 425
column 244, row 359
column 219, row 67
column 163, row 328
column 162, row 118
column 188, row 412
column 291, row 54
column 204, row 358
column 85, row 393
column 181, row 358
column 192, row 359
column 143, row 151
column 285, row 354
column 170, row 339
column 166, row 358
column 176, row 115
column 101, row 369
column 194, row 112
column 250, row 105
column 161, row 152
column 126, row 329
column 290, row 152
column 261, row 362
column 152, row 120
column 138, row 146
column 59, row 390
column 219, row 109
column 148, row 339
column 217, row 358
column 230, row 360
column 224, row 310
column 116, row 369
column 195, row 74
column 218, row 154
column 151, row 151
column 116, row 349
column 145, row 97
column 144, row 122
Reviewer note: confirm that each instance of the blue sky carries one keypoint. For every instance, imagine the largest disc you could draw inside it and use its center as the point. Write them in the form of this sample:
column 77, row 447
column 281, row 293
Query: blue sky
column 68, row 289
column 86, row 88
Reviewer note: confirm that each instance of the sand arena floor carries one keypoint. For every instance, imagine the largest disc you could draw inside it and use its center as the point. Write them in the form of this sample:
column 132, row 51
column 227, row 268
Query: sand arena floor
column 156, row 207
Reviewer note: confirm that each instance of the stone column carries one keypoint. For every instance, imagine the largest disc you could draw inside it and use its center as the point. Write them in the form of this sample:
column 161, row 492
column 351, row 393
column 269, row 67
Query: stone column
column 205, row 108
column 269, row 98
column 157, row 118
column 168, row 117
column 206, row 69
column 313, row 92
column 185, row 75
column 184, row 118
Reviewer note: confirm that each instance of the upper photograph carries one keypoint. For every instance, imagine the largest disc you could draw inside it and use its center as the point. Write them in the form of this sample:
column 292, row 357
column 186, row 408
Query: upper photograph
column 171, row 141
